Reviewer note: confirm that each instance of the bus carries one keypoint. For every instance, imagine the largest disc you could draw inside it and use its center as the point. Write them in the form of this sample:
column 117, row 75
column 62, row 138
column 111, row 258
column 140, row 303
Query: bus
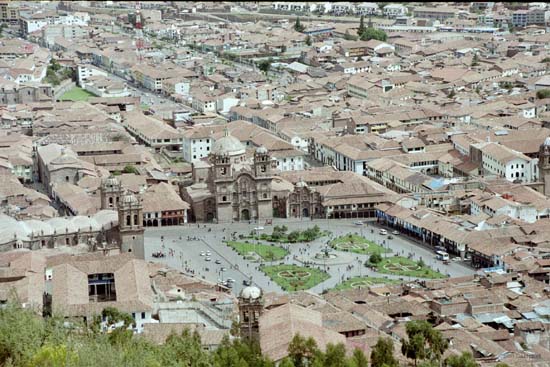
column 442, row 255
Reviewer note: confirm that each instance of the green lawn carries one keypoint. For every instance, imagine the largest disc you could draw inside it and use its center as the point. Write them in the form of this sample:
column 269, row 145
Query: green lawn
column 357, row 244
column 398, row 265
column 293, row 277
column 144, row 107
column 364, row 282
column 266, row 252
column 76, row 94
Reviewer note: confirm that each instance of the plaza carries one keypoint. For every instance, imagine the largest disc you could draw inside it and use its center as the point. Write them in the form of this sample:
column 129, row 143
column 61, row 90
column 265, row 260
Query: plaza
column 225, row 262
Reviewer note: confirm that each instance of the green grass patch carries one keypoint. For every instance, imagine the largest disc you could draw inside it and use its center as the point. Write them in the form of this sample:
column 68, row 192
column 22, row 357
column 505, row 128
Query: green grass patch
column 293, row 277
column 76, row 94
column 364, row 282
column 144, row 107
column 357, row 244
column 266, row 252
column 398, row 265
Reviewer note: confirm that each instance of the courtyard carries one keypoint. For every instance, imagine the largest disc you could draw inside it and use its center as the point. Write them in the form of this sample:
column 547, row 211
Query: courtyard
column 76, row 94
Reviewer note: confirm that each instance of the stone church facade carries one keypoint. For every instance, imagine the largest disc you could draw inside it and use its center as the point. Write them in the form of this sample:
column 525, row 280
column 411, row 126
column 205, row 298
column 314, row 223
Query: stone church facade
column 230, row 186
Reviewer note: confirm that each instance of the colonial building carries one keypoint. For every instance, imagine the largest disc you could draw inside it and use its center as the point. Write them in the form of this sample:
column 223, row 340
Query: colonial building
column 231, row 186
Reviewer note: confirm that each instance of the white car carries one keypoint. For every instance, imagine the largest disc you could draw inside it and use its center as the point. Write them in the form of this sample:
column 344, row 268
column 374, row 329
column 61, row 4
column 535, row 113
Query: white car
column 395, row 232
column 208, row 258
column 358, row 223
column 208, row 253
column 203, row 253
column 383, row 232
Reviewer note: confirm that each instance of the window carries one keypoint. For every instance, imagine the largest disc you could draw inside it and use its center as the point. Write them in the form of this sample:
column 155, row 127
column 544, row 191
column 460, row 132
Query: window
column 101, row 287
column 143, row 315
column 128, row 220
column 135, row 219
column 265, row 195
column 224, row 198
column 66, row 178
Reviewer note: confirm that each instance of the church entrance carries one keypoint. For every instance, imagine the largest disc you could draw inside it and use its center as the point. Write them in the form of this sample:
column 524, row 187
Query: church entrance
column 209, row 217
column 305, row 212
column 245, row 214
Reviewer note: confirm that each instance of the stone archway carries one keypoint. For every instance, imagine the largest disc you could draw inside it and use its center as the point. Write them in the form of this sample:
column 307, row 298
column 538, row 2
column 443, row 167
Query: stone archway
column 155, row 223
column 245, row 214
column 209, row 217
column 305, row 212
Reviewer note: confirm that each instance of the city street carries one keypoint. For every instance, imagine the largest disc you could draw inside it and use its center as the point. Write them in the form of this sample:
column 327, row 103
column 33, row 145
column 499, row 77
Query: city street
column 187, row 254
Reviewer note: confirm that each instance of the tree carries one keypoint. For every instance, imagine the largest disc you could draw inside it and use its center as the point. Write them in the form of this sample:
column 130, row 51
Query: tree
column 308, row 40
column 286, row 362
column 54, row 355
column 265, row 65
column 543, row 93
column 349, row 37
column 464, row 360
column 372, row 33
column 130, row 169
column 382, row 354
column 502, row 365
column 358, row 359
column 375, row 258
column 184, row 347
column 293, row 236
column 475, row 60
column 424, row 342
column 302, row 351
column 335, row 355
column 2, row 27
column 451, row 94
column 362, row 27
column 546, row 60
column 298, row 27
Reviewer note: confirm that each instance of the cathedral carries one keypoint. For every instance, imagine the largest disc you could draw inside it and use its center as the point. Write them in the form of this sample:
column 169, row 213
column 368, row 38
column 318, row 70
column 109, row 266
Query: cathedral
column 231, row 186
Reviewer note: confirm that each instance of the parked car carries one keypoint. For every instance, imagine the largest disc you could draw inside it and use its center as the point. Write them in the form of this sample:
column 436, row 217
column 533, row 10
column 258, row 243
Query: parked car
column 218, row 261
column 358, row 223
column 203, row 253
column 208, row 258
column 383, row 232
column 395, row 233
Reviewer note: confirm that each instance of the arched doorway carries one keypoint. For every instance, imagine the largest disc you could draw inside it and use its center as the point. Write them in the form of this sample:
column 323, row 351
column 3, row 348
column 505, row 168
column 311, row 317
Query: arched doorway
column 245, row 214
column 209, row 217
column 305, row 212
column 155, row 223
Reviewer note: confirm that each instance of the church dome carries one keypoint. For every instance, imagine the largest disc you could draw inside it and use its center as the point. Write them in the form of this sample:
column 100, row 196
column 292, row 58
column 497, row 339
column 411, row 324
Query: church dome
column 112, row 181
column 251, row 292
column 64, row 159
column 228, row 145
column 130, row 199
